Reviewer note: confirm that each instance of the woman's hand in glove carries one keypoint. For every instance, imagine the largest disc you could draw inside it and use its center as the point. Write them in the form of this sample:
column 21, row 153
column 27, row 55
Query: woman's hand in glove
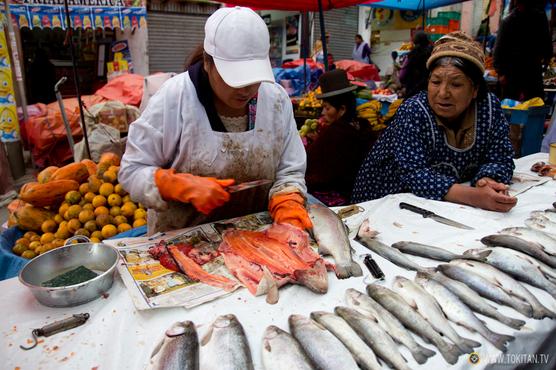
column 204, row 193
column 289, row 208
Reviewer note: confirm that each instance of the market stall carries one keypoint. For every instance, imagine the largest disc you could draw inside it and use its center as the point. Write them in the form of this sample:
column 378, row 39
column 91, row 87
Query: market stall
column 118, row 336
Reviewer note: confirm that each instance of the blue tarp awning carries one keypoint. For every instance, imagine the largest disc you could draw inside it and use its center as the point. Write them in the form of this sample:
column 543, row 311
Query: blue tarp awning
column 411, row 4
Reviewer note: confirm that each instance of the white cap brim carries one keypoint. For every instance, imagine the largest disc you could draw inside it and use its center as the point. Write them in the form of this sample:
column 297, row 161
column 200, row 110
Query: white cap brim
column 245, row 72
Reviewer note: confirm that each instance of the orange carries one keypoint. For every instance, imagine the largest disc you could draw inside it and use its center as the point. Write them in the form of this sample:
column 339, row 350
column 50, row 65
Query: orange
column 101, row 211
column 110, row 176
column 29, row 234
column 115, row 211
column 128, row 209
column 119, row 189
column 86, row 215
column 103, row 220
column 94, row 240
column 114, row 200
column 96, row 234
column 35, row 238
column 84, row 188
column 106, row 189
column 23, row 241
column 98, row 201
column 47, row 247
column 139, row 222
column 83, row 232
column 139, row 213
column 58, row 219
column 73, row 197
column 90, row 225
column 57, row 242
column 28, row 254
column 120, row 220
column 34, row 245
column 88, row 206
column 109, row 231
column 114, row 169
column 63, row 208
column 123, row 227
column 102, row 168
column 73, row 225
column 89, row 196
column 73, row 211
column 19, row 249
column 62, row 232
column 49, row 226
column 47, row 238
column 82, row 202
column 94, row 183
column 126, row 198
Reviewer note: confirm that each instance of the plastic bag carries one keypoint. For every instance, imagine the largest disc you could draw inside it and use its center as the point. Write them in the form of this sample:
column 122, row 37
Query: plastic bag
column 102, row 138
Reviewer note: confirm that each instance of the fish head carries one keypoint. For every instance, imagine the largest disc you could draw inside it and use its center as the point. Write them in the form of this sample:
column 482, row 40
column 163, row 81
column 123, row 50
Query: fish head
column 272, row 332
column 180, row 328
column 401, row 281
column 365, row 230
column 353, row 296
column 318, row 314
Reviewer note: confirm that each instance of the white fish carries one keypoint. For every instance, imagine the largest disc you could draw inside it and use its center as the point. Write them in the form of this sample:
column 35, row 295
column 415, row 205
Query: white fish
column 178, row 350
column 543, row 225
column 280, row 351
column 459, row 313
column 421, row 301
column 367, row 306
column 325, row 350
column 427, row 251
column 363, row 354
column 548, row 242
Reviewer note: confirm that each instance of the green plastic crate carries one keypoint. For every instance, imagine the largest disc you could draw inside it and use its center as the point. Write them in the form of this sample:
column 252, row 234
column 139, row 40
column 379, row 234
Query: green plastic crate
column 437, row 21
column 449, row 15
column 435, row 36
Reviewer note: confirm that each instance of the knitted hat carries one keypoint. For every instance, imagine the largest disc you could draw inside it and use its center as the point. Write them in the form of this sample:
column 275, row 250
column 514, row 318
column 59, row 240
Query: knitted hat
column 458, row 44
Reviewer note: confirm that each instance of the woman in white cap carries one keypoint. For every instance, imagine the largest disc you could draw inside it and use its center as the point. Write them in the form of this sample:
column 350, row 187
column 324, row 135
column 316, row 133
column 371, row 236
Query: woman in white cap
column 221, row 122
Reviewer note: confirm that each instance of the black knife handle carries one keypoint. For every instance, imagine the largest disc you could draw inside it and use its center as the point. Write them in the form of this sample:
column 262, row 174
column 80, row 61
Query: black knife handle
column 412, row 208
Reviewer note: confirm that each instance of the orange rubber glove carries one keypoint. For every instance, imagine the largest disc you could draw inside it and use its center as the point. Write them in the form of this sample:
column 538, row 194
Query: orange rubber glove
column 289, row 208
column 205, row 193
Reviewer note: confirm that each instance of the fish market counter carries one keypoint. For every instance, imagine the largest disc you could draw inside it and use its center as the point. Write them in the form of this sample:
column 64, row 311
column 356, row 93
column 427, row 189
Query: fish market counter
column 117, row 336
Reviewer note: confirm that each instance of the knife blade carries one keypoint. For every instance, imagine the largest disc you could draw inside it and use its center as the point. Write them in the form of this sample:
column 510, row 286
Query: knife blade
column 247, row 185
column 428, row 214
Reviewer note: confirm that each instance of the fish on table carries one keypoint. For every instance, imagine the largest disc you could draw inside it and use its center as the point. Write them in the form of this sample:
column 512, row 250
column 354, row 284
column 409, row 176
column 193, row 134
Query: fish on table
column 332, row 238
column 486, row 289
column 426, row 305
column 281, row 351
column 424, row 250
column 370, row 331
column 323, row 348
column 542, row 224
column 413, row 320
column 547, row 242
column 178, row 350
column 458, row 312
column 506, row 283
column 367, row 306
column 362, row 353
column 472, row 299
column 225, row 346
column 513, row 242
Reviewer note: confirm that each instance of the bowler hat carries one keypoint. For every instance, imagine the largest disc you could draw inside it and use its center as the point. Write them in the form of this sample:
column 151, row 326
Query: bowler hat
column 334, row 83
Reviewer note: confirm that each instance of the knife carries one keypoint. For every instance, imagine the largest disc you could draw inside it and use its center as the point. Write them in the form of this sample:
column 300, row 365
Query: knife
column 434, row 216
column 247, row 185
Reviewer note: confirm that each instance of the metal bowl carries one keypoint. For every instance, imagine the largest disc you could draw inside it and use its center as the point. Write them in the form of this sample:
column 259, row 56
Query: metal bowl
column 98, row 257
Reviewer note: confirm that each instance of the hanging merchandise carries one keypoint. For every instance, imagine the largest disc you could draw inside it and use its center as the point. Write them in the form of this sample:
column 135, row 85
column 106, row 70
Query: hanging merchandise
column 9, row 126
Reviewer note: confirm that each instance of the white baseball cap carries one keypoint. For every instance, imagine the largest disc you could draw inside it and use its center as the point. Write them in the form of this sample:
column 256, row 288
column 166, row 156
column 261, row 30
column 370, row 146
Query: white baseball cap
column 238, row 41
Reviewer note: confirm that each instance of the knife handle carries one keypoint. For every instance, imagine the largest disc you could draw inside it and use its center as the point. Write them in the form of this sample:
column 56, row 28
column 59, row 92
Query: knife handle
column 412, row 208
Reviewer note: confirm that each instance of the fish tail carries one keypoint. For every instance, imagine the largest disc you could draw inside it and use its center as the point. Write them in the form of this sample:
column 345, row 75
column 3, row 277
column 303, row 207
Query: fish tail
column 499, row 340
column 344, row 272
column 450, row 352
column 467, row 345
column 522, row 307
column 478, row 256
column 511, row 322
column 421, row 354
column 542, row 312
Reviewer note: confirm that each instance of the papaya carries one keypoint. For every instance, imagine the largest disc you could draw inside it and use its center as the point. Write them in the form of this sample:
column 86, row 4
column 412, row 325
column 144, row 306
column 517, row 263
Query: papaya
column 91, row 166
column 46, row 174
column 49, row 194
column 73, row 171
column 109, row 157
column 15, row 205
column 31, row 218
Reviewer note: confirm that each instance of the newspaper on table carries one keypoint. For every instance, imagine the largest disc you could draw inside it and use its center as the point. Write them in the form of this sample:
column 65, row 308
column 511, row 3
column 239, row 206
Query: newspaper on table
column 151, row 285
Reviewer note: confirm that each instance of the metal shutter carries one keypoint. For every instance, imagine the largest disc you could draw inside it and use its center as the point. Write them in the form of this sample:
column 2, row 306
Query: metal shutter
column 342, row 24
column 172, row 38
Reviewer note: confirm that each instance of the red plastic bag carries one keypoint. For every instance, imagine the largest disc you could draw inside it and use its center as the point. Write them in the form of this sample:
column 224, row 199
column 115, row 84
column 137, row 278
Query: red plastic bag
column 360, row 70
column 299, row 62
column 127, row 88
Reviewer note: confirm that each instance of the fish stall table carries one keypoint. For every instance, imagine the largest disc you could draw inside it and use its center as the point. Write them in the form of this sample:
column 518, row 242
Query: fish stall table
column 117, row 336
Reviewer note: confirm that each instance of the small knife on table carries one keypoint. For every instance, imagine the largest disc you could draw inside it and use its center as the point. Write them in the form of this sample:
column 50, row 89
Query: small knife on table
column 434, row 216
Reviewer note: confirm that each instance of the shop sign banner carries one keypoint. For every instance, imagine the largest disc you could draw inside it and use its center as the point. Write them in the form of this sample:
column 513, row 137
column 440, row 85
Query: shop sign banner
column 83, row 13
column 9, row 127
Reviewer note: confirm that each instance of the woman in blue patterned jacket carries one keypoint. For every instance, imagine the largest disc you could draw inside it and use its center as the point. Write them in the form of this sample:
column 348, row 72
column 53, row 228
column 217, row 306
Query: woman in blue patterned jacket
column 450, row 134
